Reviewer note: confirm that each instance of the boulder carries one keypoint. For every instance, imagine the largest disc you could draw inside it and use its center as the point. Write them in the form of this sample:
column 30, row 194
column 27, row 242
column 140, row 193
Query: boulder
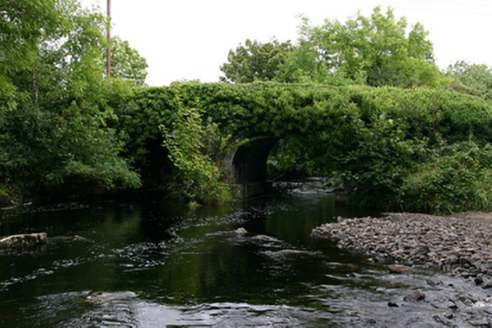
column 240, row 231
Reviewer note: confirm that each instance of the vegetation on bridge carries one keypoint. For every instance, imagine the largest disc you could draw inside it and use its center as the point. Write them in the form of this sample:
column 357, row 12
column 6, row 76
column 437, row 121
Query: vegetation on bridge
column 385, row 143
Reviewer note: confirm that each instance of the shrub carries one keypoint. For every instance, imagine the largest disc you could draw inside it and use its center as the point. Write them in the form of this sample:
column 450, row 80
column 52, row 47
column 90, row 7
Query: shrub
column 457, row 177
column 190, row 144
column 374, row 171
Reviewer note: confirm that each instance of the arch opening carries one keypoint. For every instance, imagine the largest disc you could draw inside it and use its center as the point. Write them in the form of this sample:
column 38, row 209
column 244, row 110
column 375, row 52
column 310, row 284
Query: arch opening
column 249, row 166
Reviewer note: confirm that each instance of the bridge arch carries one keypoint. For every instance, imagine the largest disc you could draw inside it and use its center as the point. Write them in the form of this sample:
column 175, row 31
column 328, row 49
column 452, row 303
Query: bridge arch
column 246, row 166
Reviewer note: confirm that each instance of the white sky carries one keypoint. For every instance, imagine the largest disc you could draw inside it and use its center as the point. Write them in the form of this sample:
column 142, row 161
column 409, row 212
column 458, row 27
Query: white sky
column 190, row 39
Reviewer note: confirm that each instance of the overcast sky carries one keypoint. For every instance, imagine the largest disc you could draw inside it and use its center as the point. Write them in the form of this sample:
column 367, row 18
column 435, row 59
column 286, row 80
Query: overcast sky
column 190, row 39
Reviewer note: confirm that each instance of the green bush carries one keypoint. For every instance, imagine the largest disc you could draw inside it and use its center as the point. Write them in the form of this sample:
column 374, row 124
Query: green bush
column 375, row 170
column 457, row 177
column 191, row 144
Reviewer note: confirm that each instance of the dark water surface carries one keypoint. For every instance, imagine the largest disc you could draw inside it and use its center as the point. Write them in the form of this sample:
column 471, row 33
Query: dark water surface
column 151, row 264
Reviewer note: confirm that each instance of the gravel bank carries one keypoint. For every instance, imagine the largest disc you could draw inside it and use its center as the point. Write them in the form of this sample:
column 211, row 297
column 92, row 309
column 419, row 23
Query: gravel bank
column 457, row 245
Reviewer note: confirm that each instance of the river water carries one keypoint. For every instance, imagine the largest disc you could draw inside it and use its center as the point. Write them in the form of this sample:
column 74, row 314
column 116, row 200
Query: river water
column 154, row 264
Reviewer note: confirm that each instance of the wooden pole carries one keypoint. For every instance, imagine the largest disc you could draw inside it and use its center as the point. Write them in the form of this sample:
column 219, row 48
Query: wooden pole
column 108, row 61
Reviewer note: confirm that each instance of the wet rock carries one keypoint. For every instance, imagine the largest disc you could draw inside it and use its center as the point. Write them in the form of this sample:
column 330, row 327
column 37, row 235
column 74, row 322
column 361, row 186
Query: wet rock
column 80, row 238
column 431, row 282
column 423, row 250
column 415, row 296
column 264, row 238
column 380, row 259
column 452, row 260
column 381, row 249
column 442, row 319
column 355, row 249
column 481, row 323
column 23, row 241
column 399, row 269
column 240, row 231
column 478, row 280
column 464, row 261
column 451, row 305
column 449, row 316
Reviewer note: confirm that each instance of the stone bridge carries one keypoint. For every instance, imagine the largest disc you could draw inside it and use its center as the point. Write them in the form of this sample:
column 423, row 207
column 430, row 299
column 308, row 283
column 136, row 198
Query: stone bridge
column 322, row 121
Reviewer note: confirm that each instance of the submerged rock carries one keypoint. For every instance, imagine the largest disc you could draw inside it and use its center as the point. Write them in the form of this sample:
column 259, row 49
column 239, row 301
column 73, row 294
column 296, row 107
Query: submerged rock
column 292, row 252
column 104, row 297
column 80, row 238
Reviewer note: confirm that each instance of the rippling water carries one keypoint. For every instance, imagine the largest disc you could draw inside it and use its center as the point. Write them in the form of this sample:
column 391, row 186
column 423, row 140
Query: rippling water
column 151, row 264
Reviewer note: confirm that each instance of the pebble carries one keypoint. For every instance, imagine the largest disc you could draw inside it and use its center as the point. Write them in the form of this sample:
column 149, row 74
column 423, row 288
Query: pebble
column 398, row 269
column 458, row 246
column 415, row 296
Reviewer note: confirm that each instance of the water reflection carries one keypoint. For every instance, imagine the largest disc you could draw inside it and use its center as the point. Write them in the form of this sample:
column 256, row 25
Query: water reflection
column 155, row 264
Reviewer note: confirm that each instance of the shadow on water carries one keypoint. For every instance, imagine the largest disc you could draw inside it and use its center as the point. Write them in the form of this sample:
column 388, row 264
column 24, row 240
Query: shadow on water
column 154, row 264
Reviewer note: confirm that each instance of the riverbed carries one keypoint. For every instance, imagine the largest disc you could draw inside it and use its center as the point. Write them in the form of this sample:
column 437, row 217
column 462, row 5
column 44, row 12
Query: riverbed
column 250, row 264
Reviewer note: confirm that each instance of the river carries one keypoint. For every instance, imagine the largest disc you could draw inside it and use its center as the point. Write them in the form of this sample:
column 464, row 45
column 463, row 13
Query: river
column 250, row 264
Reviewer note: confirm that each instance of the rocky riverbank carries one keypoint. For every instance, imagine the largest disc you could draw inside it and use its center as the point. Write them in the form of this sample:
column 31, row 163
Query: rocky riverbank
column 457, row 245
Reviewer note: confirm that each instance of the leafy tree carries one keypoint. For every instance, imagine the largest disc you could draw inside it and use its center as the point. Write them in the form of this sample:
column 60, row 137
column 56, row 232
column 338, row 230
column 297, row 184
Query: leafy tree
column 473, row 79
column 375, row 50
column 126, row 62
column 53, row 103
column 257, row 62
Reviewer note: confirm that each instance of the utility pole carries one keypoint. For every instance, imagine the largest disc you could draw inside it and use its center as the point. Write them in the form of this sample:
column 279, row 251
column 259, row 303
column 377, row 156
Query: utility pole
column 108, row 61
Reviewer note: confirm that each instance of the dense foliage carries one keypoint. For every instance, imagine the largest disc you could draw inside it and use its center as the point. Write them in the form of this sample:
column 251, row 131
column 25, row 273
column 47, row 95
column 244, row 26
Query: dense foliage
column 54, row 102
column 377, row 50
column 126, row 62
column 257, row 61
column 376, row 138
column 455, row 177
column 474, row 79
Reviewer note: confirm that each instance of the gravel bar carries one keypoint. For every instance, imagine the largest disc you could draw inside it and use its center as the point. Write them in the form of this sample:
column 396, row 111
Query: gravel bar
column 455, row 245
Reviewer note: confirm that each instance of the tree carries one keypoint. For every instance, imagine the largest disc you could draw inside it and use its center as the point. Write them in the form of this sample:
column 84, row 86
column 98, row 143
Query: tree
column 54, row 101
column 376, row 51
column 473, row 79
column 257, row 62
column 126, row 62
